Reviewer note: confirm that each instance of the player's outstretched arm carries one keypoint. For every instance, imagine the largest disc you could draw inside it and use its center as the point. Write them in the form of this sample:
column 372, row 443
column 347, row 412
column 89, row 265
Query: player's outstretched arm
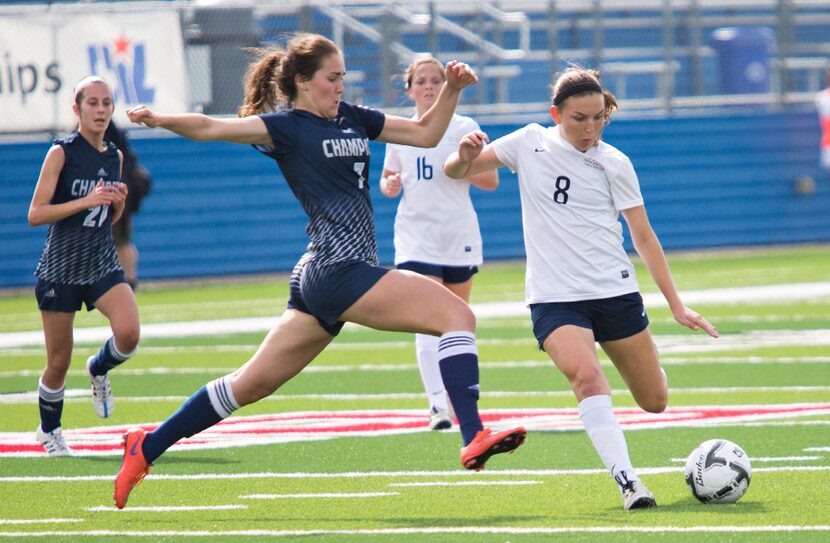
column 429, row 129
column 200, row 127
column 651, row 251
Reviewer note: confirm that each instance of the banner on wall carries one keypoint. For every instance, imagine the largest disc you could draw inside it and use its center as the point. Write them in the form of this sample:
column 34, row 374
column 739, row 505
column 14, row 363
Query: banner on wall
column 43, row 57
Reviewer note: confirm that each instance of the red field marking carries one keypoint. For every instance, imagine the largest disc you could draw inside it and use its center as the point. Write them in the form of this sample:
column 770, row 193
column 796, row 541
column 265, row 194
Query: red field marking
column 314, row 425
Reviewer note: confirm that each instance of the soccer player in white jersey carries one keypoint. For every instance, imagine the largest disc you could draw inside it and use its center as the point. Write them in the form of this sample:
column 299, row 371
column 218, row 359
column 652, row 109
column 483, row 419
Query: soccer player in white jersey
column 580, row 284
column 436, row 227
column 321, row 144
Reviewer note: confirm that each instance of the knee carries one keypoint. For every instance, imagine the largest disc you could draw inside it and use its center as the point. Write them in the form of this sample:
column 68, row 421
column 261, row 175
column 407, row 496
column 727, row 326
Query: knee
column 589, row 381
column 126, row 340
column 460, row 318
column 654, row 403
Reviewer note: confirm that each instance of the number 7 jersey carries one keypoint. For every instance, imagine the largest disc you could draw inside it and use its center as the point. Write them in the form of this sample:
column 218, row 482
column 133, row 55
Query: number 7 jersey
column 79, row 249
column 570, row 207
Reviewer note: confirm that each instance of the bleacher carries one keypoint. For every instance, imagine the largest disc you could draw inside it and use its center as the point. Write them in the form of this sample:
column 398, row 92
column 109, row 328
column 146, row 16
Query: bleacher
column 529, row 37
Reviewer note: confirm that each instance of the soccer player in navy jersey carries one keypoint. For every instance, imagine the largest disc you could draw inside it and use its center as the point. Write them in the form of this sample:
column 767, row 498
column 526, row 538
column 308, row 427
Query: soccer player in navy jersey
column 294, row 113
column 79, row 194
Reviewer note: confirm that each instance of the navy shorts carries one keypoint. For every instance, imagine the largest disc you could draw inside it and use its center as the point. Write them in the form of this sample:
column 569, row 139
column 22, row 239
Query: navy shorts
column 449, row 274
column 609, row 318
column 68, row 298
column 325, row 291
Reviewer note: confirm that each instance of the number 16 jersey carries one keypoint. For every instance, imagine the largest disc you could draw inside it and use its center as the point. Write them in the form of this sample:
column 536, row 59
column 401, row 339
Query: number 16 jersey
column 435, row 222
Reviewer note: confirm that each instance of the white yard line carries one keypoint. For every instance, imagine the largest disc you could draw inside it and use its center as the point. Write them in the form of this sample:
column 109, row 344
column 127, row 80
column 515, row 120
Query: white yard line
column 317, row 496
column 515, row 530
column 82, row 394
column 507, row 364
column 468, row 483
column 39, row 520
column 767, row 293
column 167, row 509
column 377, row 474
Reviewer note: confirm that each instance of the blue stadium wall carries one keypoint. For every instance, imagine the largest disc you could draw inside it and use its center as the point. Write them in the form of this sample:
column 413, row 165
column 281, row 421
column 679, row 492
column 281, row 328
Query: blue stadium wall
column 218, row 209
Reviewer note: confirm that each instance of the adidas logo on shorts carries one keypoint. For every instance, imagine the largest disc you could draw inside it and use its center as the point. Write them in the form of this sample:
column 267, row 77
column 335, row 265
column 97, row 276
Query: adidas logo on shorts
column 50, row 293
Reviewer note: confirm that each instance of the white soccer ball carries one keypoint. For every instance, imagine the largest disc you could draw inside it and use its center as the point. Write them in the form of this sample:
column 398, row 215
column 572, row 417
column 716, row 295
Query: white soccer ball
column 718, row 471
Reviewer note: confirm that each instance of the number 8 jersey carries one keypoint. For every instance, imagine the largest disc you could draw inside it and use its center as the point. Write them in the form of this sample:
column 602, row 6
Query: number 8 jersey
column 571, row 202
column 79, row 249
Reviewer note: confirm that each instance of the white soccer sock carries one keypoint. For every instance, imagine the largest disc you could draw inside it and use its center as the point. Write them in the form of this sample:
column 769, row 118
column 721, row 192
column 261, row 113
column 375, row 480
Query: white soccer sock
column 426, row 350
column 606, row 435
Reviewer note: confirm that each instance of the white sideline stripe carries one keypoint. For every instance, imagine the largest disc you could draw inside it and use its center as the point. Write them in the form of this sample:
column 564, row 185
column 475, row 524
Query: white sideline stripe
column 766, row 293
column 77, row 394
column 323, row 495
column 469, row 483
column 372, row 474
column 39, row 520
column 506, row 364
column 772, row 459
column 424, row 531
column 817, row 449
column 667, row 344
column 166, row 509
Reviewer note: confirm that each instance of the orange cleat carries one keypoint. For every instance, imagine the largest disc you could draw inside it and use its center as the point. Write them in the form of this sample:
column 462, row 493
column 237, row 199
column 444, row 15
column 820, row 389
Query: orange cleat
column 486, row 444
column 133, row 467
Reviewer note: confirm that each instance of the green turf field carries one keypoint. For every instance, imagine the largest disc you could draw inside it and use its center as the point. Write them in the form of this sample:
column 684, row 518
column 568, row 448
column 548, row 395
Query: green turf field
column 348, row 456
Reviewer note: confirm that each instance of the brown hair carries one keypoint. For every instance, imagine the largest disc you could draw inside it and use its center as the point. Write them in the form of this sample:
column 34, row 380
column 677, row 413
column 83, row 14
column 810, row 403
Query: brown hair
column 576, row 78
column 84, row 83
column 409, row 73
column 270, row 82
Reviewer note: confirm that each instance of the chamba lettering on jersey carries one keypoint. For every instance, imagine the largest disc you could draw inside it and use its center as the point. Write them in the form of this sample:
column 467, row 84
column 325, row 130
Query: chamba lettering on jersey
column 326, row 164
column 346, row 147
column 80, row 249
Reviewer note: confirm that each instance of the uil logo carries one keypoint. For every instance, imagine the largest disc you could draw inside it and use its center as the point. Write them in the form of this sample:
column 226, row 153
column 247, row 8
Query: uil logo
column 122, row 63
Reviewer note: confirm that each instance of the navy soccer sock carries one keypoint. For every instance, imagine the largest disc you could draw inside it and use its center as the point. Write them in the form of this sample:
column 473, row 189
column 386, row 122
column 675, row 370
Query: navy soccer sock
column 107, row 358
column 209, row 405
column 458, row 359
column 50, row 403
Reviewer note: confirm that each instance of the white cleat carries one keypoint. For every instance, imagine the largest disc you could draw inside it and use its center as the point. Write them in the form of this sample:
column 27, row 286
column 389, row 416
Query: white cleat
column 53, row 442
column 103, row 402
column 440, row 419
column 634, row 493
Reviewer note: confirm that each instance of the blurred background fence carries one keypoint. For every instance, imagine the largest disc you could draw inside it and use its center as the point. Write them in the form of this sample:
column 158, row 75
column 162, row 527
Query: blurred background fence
column 716, row 110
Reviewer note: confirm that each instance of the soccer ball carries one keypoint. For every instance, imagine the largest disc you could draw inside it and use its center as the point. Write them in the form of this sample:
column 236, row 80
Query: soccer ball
column 718, row 471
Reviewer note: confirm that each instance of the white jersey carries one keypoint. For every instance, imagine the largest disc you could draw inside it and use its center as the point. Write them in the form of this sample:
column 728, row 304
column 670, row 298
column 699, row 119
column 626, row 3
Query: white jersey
column 570, row 205
column 436, row 222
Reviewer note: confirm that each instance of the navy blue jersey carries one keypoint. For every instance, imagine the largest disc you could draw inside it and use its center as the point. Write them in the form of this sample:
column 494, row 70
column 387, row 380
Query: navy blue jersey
column 326, row 164
column 79, row 249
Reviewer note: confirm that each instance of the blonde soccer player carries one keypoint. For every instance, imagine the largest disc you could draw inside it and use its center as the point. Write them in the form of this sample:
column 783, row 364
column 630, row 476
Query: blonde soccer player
column 436, row 228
